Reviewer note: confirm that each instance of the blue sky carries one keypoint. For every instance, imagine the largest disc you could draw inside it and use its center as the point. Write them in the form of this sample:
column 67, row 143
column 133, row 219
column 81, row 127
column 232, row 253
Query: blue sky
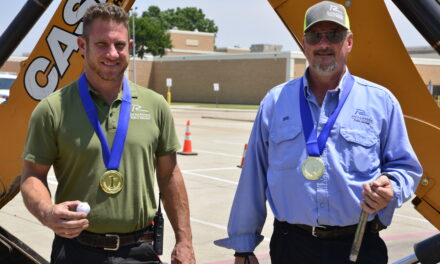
column 241, row 22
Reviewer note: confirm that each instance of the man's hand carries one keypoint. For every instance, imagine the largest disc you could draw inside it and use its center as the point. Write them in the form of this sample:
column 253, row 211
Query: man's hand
column 377, row 195
column 61, row 218
column 183, row 253
column 241, row 260
column 64, row 220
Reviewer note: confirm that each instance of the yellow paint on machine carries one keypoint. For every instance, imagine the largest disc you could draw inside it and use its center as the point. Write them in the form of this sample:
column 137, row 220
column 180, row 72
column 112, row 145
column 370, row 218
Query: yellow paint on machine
column 54, row 62
column 379, row 55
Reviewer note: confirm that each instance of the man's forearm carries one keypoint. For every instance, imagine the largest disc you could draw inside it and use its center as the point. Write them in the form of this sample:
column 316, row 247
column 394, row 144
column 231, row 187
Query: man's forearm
column 175, row 200
column 36, row 197
column 34, row 189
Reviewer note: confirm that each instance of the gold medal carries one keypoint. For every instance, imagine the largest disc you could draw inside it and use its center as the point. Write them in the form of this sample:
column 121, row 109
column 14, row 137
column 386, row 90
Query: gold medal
column 111, row 182
column 313, row 168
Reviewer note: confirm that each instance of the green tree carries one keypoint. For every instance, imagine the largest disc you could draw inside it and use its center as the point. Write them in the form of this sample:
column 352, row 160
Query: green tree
column 151, row 27
column 150, row 37
column 189, row 18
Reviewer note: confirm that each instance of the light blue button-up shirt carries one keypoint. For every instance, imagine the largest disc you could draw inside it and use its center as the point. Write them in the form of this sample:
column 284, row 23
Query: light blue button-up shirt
column 368, row 138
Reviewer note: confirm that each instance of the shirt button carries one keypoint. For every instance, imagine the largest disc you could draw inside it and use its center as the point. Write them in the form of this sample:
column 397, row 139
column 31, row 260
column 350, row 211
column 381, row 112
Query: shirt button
column 322, row 205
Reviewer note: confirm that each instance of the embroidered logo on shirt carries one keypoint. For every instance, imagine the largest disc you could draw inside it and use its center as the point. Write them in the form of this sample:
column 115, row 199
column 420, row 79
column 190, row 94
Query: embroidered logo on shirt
column 137, row 112
column 362, row 117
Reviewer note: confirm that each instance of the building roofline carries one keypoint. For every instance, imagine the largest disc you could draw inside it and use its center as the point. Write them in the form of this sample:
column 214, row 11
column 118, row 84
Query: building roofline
column 233, row 56
column 197, row 52
column 187, row 32
column 426, row 61
column 233, row 48
column 17, row 58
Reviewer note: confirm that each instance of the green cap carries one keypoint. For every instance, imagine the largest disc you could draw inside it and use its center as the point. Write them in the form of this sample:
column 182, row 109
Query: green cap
column 326, row 11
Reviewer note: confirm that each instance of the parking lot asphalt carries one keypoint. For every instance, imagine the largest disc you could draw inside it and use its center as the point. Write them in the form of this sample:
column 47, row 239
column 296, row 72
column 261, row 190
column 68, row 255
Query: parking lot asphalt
column 211, row 177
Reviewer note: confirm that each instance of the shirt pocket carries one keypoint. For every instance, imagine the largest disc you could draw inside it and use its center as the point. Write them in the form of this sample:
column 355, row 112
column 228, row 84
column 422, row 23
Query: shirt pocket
column 358, row 151
column 285, row 147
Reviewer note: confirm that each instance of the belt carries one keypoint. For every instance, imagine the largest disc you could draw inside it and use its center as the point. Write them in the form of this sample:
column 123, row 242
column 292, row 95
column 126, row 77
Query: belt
column 329, row 232
column 115, row 241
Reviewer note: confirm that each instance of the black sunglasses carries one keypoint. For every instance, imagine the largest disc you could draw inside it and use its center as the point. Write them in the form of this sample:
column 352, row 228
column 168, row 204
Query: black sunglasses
column 334, row 36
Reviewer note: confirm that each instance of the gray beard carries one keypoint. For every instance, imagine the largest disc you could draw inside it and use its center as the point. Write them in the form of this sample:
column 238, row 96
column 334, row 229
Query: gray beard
column 320, row 69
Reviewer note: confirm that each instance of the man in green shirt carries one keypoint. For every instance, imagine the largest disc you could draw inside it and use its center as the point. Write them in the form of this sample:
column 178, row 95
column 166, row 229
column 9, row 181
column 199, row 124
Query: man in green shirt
column 105, row 138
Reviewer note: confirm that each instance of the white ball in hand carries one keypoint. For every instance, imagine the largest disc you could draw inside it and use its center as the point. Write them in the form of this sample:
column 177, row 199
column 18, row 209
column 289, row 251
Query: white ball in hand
column 83, row 207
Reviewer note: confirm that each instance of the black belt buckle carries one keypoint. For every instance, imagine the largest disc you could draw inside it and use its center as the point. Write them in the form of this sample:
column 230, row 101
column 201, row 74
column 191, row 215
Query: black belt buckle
column 314, row 230
column 117, row 242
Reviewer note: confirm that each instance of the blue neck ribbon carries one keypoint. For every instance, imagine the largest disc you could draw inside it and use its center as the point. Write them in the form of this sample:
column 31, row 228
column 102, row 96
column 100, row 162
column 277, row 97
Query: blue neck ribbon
column 315, row 145
column 113, row 158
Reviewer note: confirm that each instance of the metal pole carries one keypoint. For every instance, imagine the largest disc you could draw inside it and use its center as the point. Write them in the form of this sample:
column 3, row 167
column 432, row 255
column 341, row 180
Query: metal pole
column 359, row 235
column 169, row 95
column 134, row 46
column 20, row 26
column 424, row 15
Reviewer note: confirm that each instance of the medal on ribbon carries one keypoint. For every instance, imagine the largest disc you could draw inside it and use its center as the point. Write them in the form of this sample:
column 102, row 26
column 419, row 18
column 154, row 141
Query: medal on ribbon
column 112, row 180
column 314, row 167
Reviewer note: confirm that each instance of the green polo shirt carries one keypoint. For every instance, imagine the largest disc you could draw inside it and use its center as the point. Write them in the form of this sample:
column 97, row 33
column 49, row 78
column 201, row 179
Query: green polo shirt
column 61, row 135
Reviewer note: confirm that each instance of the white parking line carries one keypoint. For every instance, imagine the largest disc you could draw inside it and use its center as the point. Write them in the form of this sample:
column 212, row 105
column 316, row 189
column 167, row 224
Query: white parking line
column 412, row 218
column 209, row 177
column 216, row 226
column 216, row 153
column 52, row 180
column 214, row 169
column 208, row 223
column 228, row 143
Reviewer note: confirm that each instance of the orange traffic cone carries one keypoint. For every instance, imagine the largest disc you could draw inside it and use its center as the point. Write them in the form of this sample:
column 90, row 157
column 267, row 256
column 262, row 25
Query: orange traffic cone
column 187, row 146
column 244, row 156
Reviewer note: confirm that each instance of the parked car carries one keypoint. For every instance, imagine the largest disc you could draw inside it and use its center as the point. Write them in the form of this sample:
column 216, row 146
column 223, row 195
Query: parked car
column 6, row 81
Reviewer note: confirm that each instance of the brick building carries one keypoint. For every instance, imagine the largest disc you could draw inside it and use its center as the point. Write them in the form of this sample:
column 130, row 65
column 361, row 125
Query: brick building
column 244, row 77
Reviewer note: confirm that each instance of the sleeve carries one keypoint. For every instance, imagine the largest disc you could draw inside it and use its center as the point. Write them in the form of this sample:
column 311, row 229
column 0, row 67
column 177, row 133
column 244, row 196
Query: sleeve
column 248, row 212
column 168, row 140
column 398, row 160
column 40, row 146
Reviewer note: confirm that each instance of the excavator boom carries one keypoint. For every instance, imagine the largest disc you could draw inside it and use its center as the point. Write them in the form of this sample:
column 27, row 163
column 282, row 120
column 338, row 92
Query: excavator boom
column 54, row 62
column 380, row 56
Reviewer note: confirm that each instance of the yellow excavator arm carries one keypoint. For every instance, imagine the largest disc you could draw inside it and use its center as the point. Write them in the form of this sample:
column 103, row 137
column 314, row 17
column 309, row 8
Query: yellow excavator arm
column 54, row 62
column 379, row 55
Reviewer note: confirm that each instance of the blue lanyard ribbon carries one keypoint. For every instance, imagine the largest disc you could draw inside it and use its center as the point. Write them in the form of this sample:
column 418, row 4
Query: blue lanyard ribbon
column 315, row 145
column 113, row 158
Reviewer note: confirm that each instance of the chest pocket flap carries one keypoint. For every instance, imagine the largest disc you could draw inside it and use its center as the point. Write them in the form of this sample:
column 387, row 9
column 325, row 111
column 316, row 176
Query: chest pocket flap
column 364, row 138
column 285, row 133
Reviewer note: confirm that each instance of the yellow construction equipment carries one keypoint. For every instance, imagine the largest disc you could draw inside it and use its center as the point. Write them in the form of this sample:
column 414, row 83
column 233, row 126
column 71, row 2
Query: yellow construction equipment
column 54, row 63
column 379, row 55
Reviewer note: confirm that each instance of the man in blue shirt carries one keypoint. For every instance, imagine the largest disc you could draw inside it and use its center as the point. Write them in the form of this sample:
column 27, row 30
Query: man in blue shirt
column 323, row 148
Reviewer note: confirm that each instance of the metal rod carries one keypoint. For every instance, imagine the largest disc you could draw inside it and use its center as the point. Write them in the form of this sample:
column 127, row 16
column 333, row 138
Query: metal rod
column 424, row 15
column 20, row 27
column 134, row 45
column 358, row 236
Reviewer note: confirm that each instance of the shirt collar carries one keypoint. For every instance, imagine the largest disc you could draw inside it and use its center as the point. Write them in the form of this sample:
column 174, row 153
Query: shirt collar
column 133, row 90
column 308, row 93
